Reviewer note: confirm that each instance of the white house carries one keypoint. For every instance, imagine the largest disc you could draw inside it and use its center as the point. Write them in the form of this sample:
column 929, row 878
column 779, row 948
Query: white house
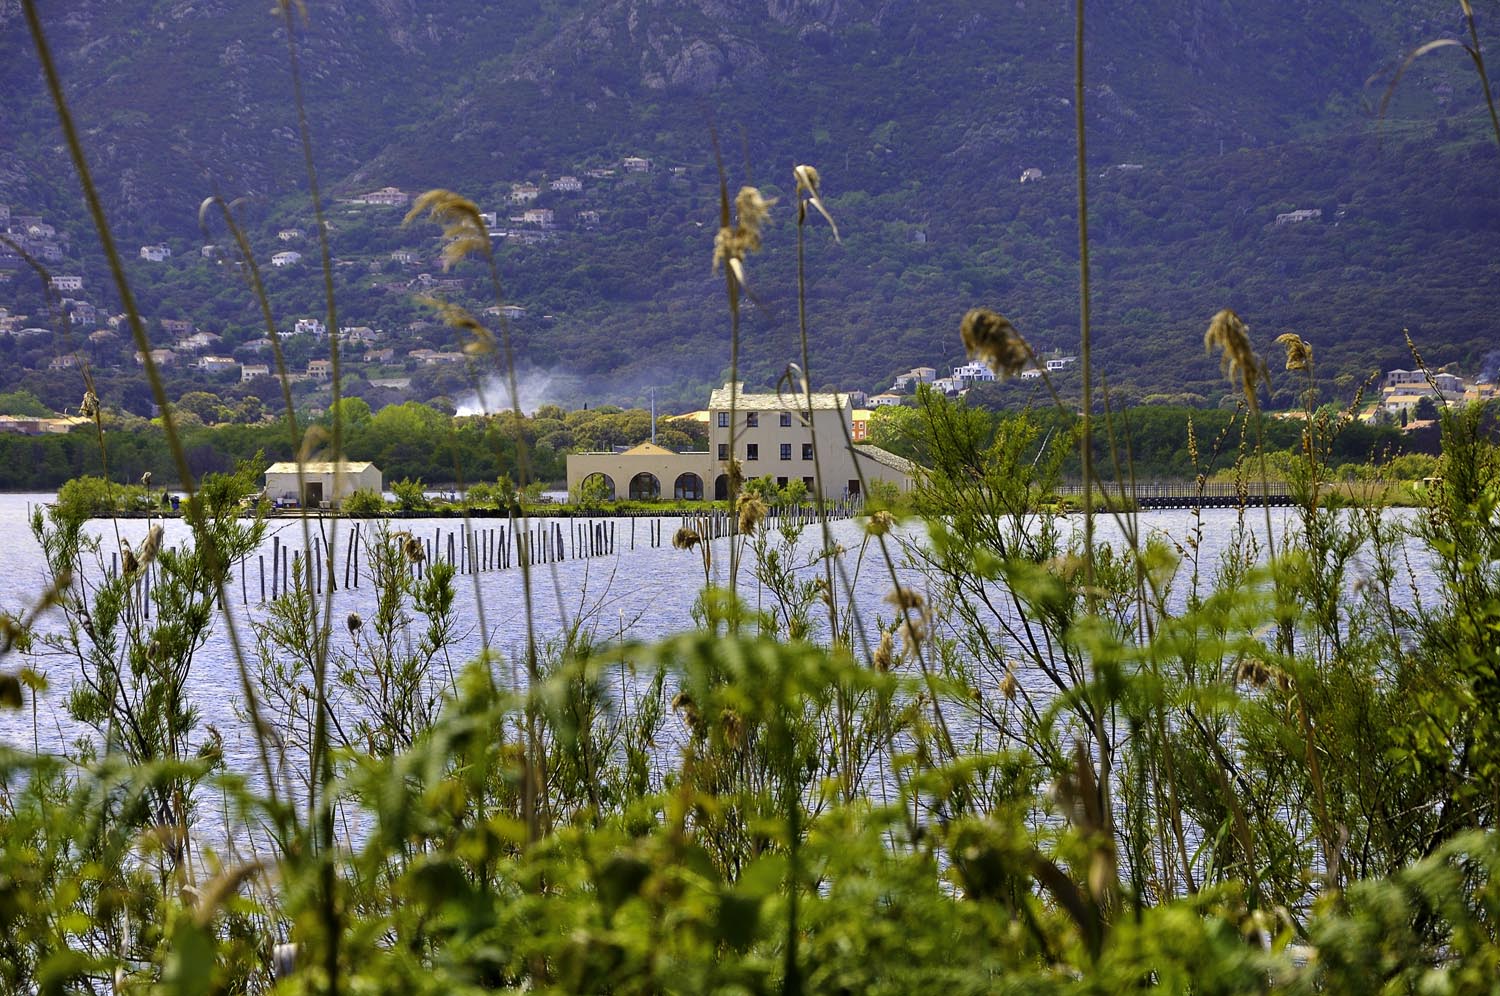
column 319, row 369
column 200, row 340
column 157, row 254
column 324, row 482
column 1031, row 175
column 289, row 235
column 971, row 372
column 1060, row 363
column 1293, row 217
column 635, row 164
column 884, row 400
column 385, row 197
column 66, row 282
column 309, row 326
column 537, row 216
column 567, row 185
column 250, row 371
column 288, row 258
column 217, row 363
column 523, row 193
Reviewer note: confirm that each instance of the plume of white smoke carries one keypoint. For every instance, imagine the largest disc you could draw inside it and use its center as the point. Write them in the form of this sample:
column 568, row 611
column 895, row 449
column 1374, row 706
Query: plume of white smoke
column 536, row 388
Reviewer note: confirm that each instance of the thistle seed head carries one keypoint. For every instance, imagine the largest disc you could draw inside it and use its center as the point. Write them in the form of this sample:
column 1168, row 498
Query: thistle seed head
column 686, row 538
column 992, row 339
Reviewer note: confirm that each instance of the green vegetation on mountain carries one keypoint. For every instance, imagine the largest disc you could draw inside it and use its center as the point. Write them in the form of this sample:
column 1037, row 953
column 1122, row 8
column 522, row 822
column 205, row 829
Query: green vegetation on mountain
column 923, row 117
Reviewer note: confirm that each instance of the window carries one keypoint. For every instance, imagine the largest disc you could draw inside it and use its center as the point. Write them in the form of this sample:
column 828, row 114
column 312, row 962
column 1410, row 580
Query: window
column 786, row 451
column 807, row 451
column 781, row 482
column 723, row 451
column 786, row 420
column 752, row 420
column 723, row 420
column 809, row 482
column 752, row 451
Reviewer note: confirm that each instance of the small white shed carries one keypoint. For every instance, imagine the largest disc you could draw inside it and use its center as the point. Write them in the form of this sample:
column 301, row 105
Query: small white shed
column 326, row 482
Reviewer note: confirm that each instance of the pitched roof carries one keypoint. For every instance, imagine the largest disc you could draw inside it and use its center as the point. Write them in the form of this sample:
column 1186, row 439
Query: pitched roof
column 719, row 401
column 319, row 467
column 649, row 449
column 885, row 457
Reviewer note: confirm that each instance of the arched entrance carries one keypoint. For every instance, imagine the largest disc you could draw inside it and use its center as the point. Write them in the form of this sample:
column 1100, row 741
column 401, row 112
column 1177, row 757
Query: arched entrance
column 594, row 481
column 721, row 488
column 644, row 487
column 689, row 487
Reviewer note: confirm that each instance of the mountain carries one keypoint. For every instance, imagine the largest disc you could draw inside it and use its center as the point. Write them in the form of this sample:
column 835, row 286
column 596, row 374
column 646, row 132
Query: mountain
column 1206, row 121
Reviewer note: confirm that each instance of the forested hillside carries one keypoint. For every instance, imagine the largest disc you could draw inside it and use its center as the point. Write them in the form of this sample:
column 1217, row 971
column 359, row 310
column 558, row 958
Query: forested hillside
column 1206, row 123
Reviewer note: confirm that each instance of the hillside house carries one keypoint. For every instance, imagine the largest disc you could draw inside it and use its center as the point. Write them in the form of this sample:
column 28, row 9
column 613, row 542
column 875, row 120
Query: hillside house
column 158, row 253
column 1031, row 175
column 384, row 197
column 1296, row 217
column 971, row 373
column 523, row 193
column 199, row 341
column 217, row 364
column 542, row 217
column 884, row 400
column 284, row 259
column 567, row 185
column 635, row 164
column 309, row 326
column 319, row 370
column 323, row 484
column 250, row 371
column 66, row 361
column 176, row 327
column 386, row 355
column 66, row 282
column 289, row 235
column 160, row 357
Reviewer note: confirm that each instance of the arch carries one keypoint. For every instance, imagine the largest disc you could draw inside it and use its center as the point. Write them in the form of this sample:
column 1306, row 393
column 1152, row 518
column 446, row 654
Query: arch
column 645, row 487
column 689, row 487
column 721, row 488
column 609, row 485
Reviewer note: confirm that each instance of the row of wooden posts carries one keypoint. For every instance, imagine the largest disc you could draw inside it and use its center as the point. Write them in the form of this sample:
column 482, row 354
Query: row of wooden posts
column 468, row 550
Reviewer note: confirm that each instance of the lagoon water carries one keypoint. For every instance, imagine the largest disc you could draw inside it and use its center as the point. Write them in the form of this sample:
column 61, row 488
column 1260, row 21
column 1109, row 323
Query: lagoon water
column 641, row 593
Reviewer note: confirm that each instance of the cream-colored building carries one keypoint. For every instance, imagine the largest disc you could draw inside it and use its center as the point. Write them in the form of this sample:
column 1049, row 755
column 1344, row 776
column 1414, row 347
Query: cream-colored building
column 774, row 436
column 325, row 483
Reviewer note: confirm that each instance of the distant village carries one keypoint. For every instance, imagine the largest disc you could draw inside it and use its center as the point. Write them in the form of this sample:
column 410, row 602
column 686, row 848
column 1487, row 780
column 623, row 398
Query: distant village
column 388, row 357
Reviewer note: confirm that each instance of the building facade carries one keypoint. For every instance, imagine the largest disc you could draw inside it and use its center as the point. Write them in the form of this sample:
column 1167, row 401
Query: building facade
column 324, row 482
column 769, row 435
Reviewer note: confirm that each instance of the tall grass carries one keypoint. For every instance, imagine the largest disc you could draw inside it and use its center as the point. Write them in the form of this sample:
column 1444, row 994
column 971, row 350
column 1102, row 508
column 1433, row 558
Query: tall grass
column 1066, row 761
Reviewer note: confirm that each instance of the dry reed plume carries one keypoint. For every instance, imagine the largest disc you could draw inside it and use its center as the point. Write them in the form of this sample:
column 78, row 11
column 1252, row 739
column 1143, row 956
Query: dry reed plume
column 991, row 338
column 463, row 228
column 1299, row 351
column 1228, row 333
column 752, row 513
column 734, row 243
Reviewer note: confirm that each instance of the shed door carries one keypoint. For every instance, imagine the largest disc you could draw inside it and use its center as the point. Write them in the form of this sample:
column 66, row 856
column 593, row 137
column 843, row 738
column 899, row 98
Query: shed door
column 314, row 494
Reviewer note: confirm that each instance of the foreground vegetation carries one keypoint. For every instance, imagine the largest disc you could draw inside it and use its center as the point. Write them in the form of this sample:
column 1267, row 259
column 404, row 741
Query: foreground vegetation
column 1049, row 762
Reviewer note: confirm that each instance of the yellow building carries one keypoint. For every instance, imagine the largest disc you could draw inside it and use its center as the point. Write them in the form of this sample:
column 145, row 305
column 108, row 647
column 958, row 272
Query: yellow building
column 774, row 435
